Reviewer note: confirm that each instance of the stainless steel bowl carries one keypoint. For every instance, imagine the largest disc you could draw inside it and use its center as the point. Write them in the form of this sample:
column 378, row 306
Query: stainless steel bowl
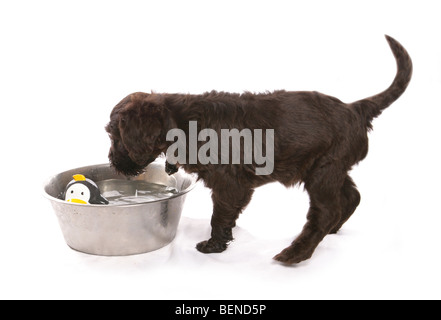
column 115, row 230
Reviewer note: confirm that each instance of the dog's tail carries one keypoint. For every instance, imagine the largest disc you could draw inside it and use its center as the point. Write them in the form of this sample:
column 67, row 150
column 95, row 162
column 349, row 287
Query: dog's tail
column 372, row 107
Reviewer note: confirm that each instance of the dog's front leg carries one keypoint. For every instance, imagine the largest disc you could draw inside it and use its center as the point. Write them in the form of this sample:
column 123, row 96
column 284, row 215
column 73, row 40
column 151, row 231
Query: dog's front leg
column 228, row 203
column 220, row 237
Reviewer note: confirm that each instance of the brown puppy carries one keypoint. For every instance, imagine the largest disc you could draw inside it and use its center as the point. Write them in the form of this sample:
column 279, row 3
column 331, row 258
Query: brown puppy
column 317, row 139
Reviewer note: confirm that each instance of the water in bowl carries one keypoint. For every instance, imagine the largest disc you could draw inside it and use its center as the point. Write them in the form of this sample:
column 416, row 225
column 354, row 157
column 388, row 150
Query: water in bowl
column 122, row 192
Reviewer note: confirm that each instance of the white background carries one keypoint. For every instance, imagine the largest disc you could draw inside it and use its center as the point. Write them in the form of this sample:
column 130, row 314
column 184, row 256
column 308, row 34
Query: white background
column 64, row 65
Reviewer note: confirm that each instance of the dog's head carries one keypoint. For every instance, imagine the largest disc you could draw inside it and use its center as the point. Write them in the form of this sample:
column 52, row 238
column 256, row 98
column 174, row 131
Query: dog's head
column 137, row 129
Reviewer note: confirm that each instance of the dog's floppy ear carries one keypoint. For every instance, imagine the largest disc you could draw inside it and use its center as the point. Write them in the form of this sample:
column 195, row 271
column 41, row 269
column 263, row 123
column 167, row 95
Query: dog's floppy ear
column 140, row 126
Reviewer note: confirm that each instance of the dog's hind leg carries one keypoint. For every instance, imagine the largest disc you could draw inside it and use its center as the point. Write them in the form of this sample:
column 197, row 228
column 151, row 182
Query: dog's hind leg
column 228, row 203
column 324, row 187
column 350, row 199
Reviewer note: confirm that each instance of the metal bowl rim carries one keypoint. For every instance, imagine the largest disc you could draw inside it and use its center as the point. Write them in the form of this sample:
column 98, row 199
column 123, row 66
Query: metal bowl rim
column 181, row 193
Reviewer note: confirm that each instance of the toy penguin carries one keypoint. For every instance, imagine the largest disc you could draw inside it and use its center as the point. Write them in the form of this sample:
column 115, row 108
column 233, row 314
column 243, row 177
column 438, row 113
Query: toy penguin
column 83, row 190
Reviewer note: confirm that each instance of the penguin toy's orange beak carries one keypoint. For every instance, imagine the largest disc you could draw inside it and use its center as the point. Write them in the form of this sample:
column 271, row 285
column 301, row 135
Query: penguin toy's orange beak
column 77, row 201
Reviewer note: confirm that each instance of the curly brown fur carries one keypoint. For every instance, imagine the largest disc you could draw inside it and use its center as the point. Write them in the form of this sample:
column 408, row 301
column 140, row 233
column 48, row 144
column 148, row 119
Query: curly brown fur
column 317, row 140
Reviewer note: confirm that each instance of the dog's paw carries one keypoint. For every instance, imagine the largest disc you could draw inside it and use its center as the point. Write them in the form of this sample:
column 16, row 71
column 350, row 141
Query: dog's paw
column 211, row 246
column 292, row 255
column 170, row 168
